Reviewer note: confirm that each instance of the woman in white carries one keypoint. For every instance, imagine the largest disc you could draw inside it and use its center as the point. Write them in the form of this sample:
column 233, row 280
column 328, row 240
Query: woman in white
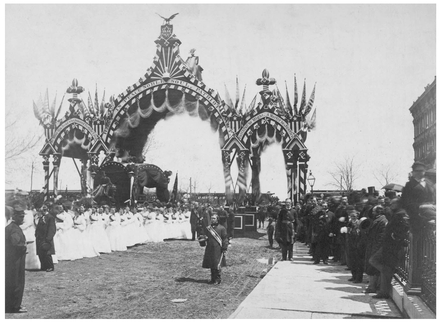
column 81, row 236
column 59, row 239
column 127, row 223
column 175, row 221
column 115, row 232
column 157, row 226
column 139, row 228
column 97, row 233
column 183, row 234
column 167, row 227
column 65, row 246
column 28, row 227
column 147, row 223
column 187, row 225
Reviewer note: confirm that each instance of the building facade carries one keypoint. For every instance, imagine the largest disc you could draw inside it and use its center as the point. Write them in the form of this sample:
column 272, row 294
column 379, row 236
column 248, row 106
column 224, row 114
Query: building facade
column 424, row 121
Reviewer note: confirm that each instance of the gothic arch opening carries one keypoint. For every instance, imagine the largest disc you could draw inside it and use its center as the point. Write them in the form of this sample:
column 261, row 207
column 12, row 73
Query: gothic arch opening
column 273, row 170
column 203, row 162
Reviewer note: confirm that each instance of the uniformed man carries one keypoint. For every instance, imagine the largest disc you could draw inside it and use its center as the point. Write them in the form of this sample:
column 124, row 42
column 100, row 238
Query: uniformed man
column 15, row 258
column 217, row 244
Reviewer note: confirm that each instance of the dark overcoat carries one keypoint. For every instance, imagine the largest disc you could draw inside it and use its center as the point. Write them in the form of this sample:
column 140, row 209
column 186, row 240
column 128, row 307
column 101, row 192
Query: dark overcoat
column 15, row 259
column 375, row 238
column 194, row 218
column 285, row 227
column 395, row 236
column 413, row 196
column 324, row 226
column 44, row 233
column 214, row 251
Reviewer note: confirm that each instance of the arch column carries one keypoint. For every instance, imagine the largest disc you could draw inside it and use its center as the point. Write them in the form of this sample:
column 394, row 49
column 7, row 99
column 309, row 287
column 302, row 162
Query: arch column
column 56, row 168
column 226, row 162
column 46, row 176
column 303, row 173
column 242, row 164
column 291, row 157
column 84, row 177
column 255, row 180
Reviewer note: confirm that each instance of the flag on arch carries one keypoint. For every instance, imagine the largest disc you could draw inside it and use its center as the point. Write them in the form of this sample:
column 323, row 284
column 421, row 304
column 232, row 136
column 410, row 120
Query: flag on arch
column 175, row 190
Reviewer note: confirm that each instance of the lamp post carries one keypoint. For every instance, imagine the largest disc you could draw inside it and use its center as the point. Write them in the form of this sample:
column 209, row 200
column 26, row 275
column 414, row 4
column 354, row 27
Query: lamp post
column 311, row 181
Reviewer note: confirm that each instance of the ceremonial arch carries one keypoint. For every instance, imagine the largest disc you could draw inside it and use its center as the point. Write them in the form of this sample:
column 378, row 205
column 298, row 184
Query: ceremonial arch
column 117, row 130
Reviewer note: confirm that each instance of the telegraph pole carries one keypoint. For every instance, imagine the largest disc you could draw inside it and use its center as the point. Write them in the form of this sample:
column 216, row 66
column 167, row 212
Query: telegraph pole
column 32, row 174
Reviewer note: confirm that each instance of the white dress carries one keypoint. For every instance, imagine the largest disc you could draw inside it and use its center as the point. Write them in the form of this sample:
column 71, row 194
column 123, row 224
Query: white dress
column 139, row 229
column 182, row 226
column 167, row 226
column 156, row 226
column 60, row 239
column 71, row 249
column 115, row 233
column 187, row 225
column 97, row 234
column 28, row 227
column 148, row 225
column 82, row 237
column 127, row 227
column 162, row 226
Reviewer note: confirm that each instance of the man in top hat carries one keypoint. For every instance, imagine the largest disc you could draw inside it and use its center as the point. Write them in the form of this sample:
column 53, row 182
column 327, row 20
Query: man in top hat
column 44, row 236
column 416, row 192
column 15, row 257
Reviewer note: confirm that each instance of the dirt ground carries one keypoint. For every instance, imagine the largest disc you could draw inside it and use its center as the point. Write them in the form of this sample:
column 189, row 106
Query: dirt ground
column 143, row 281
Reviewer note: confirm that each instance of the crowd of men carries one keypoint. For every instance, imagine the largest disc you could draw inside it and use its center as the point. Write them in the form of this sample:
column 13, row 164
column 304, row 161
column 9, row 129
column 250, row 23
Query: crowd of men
column 367, row 236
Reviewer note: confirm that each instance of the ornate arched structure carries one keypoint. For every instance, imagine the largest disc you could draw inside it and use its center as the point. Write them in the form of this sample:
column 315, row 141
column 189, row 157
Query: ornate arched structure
column 120, row 127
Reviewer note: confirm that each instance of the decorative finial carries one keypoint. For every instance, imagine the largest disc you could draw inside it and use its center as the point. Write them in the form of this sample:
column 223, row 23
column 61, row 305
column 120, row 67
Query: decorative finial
column 75, row 90
column 167, row 20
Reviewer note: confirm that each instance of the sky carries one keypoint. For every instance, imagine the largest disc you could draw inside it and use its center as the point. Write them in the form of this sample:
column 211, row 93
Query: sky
column 369, row 63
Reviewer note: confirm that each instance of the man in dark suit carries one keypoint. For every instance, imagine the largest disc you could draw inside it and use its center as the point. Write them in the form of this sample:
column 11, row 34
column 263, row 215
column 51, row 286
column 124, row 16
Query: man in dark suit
column 15, row 258
column 217, row 245
column 44, row 235
column 285, row 232
column 324, row 234
column 417, row 191
column 194, row 218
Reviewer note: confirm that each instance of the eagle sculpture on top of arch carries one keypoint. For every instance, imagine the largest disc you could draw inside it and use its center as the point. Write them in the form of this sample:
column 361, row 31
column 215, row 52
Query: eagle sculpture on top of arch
column 119, row 128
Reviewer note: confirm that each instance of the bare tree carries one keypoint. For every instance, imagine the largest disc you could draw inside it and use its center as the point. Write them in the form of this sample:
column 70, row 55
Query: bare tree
column 19, row 148
column 385, row 175
column 345, row 174
column 17, row 145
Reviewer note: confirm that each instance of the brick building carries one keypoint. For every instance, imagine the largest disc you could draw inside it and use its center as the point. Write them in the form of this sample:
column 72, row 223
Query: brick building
column 424, row 121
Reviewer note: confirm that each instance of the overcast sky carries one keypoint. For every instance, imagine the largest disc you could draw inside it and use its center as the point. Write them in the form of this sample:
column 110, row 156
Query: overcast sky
column 369, row 62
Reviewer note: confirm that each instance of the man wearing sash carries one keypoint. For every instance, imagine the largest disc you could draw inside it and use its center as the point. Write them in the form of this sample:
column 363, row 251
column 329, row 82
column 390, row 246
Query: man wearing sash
column 217, row 244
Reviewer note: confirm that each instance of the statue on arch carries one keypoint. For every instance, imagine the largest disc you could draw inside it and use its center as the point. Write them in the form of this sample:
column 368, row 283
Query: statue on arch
column 192, row 63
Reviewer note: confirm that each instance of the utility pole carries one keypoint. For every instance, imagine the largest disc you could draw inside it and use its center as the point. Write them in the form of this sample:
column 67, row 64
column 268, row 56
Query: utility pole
column 32, row 174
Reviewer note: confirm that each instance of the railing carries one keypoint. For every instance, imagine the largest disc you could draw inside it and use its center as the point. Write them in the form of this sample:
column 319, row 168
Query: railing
column 417, row 269
column 428, row 276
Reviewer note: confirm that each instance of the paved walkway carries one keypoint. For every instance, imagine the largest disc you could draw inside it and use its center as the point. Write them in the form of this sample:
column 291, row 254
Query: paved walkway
column 301, row 290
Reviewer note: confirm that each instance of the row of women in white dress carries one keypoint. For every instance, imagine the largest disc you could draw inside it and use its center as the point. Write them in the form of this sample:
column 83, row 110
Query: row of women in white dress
column 87, row 234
